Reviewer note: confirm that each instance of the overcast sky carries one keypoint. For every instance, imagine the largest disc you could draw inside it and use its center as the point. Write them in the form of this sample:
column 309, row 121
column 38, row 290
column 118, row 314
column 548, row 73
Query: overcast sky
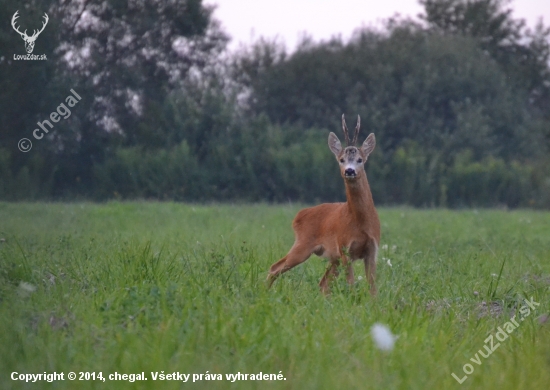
column 247, row 20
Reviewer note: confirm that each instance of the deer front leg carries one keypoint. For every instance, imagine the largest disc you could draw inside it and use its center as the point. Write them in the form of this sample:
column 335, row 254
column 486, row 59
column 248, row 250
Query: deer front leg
column 370, row 266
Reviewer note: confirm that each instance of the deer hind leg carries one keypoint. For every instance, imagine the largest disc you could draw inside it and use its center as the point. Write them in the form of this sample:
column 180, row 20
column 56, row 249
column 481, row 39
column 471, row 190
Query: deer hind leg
column 349, row 270
column 350, row 277
column 331, row 273
column 297, row 255
column 370, row 265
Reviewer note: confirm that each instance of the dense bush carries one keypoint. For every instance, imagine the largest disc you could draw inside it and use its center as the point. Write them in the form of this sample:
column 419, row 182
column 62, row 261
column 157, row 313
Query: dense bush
column 272, row 169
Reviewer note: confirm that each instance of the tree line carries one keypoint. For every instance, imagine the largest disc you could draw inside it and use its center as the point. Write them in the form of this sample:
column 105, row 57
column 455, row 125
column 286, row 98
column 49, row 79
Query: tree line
column 459, row 102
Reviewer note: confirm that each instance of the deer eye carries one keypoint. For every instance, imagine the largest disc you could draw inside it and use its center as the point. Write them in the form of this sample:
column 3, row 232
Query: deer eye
column 360, row 160
column 342, row 160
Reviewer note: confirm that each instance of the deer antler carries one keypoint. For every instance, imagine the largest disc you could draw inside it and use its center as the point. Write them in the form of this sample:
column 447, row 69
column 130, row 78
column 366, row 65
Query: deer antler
column 15, row 16
column 345, row 129
column 354, row 142
column 35, row 32
column 44, row 23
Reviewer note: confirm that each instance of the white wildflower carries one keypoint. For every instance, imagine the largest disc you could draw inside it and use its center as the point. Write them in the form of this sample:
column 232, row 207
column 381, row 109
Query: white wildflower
column 389, row 263
column 25, row 289
column 382, row 337
column 385, row 247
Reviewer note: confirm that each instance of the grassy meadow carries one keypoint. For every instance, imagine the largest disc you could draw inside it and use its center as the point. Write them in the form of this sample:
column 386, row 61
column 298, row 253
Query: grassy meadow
column 151, row 287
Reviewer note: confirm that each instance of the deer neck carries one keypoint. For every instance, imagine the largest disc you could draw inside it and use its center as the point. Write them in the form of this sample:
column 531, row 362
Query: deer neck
column 359, row 197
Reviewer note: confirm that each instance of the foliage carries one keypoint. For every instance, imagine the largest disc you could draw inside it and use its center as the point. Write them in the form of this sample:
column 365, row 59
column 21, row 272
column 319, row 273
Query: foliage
column 471, row 84
column 439, row 91
column 121, row 57
column 167, row 114
column 135, row 173
column 522, row 53
column 273, row 170
column 131, row 53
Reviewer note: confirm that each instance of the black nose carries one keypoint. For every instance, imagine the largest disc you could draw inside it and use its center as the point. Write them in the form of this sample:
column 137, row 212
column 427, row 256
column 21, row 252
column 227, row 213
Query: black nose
column 350, row 172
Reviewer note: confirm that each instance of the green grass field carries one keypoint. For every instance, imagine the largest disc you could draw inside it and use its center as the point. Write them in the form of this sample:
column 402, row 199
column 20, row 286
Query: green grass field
column 151, row 287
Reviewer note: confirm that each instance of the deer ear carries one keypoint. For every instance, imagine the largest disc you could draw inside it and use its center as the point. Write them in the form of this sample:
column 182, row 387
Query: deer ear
column 334, row 144
column 369, row 144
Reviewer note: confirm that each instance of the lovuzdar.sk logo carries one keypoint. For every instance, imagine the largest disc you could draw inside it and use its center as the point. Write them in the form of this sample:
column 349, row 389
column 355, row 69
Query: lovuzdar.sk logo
column 29, row 40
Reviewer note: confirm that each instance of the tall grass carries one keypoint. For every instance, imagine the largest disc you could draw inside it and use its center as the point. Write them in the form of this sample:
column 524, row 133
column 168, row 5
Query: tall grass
column 151, row 287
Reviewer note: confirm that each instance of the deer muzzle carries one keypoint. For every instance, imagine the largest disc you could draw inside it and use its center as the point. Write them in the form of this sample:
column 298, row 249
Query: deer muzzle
column 350, row 173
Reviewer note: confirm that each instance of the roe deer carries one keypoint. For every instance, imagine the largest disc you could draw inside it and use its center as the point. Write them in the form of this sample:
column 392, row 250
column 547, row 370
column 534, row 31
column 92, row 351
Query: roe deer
column 339, row 231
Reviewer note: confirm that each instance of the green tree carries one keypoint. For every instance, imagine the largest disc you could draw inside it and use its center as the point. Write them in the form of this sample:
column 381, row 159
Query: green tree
column 524, row 54
column 123, row 58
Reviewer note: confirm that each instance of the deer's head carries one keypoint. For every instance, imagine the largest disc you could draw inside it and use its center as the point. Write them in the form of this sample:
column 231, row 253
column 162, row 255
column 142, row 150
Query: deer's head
column 29, row 41
column 351, row 159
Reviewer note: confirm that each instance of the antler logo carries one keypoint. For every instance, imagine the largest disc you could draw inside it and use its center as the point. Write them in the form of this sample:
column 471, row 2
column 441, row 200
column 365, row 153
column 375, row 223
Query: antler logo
column 29, row 41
